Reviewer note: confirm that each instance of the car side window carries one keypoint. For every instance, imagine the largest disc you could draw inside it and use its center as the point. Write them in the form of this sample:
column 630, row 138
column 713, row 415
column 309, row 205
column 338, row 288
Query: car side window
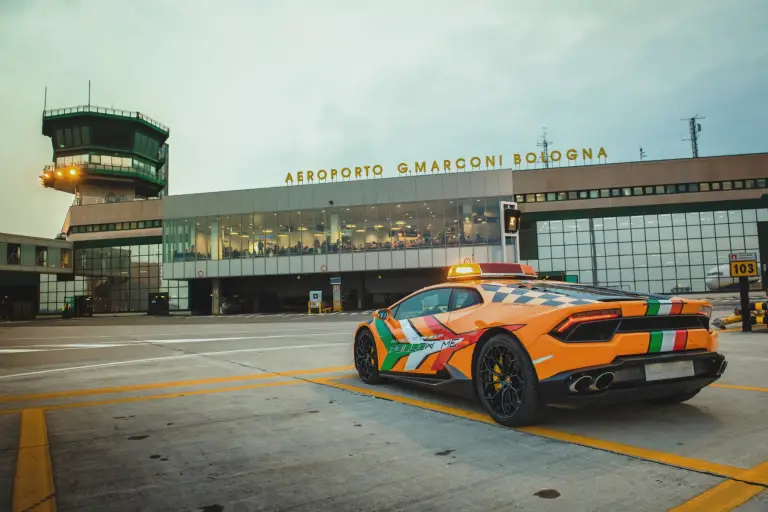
column 431, row 302
column 464, row 298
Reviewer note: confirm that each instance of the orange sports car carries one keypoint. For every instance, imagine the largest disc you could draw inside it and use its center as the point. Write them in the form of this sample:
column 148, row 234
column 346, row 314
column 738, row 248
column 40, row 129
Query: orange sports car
column 496, row 332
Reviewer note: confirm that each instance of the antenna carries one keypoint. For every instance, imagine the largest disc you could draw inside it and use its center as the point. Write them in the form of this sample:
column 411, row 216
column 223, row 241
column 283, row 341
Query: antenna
column 545, row 144
column 45, row 99
column 642, row 153
column 89, row 94
column 694, row 127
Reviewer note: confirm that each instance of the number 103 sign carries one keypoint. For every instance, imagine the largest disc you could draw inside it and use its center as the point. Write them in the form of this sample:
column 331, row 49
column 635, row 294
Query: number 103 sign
column 743, row 265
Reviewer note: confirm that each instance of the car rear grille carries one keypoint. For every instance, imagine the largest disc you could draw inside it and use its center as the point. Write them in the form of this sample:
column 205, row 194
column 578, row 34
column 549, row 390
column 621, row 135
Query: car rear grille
column 663, row 323
column 604, row 330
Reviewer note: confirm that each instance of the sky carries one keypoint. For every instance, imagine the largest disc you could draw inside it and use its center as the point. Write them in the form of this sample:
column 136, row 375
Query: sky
column 255, row 89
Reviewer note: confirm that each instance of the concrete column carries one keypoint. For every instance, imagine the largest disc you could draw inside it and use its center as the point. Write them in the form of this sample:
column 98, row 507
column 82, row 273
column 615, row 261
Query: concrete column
column 334, row 229
column 215, row 297
column 215, row 240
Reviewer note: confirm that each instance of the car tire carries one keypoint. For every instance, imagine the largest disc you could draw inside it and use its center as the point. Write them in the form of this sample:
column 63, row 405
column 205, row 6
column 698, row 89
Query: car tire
column 366, row 357
column 509, row 391
column 677, row 398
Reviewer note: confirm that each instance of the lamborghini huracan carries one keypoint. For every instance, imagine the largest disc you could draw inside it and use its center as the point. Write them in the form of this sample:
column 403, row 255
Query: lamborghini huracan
column 497, row 333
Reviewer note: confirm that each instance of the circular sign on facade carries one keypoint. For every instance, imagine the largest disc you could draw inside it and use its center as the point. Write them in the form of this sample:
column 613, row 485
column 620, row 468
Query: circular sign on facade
column 467, row 260
column 200, row 273
column 323, row 268
column 336, row 287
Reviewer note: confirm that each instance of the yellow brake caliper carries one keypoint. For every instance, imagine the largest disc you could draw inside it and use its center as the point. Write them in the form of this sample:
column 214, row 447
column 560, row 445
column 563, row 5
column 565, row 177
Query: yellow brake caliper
column 496, row 378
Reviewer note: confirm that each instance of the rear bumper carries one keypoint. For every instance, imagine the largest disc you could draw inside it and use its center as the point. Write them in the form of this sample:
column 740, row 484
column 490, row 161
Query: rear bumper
column 630, row 384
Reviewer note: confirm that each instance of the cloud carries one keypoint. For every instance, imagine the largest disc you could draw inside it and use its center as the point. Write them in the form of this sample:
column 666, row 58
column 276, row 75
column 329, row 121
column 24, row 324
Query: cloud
column 252, row 90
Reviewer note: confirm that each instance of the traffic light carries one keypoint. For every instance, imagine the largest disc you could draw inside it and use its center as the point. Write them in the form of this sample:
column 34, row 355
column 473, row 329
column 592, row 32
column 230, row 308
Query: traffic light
column 511, row 221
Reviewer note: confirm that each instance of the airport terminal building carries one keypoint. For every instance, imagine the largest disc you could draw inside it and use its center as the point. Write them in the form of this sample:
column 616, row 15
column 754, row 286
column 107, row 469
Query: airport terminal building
column 365, row 236
column 655, row 226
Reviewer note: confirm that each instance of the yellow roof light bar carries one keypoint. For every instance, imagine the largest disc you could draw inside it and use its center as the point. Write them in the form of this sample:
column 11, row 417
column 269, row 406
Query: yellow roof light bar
column 491, row 270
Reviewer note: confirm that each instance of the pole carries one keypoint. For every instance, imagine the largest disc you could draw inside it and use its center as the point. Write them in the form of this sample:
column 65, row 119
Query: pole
column 45, row 99
column 89, row 94
column 746, row 316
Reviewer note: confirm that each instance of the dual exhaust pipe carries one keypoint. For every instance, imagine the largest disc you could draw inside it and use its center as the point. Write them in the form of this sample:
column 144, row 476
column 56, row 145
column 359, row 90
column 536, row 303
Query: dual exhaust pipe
column 587, row 383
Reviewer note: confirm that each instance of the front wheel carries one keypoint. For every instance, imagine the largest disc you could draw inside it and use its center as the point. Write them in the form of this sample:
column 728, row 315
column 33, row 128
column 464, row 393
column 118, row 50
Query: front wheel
column 366, row 359
column 506, row 382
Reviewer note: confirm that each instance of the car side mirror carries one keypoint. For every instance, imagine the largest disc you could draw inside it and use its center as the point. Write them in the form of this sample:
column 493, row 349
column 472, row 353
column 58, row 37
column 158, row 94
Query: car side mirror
column 382, row 314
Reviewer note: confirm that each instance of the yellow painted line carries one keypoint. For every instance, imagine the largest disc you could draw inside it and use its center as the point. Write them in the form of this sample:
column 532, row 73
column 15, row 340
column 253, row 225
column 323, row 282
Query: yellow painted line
column 744, row 388
column 680, row 461
column 33, row 485
column 173, row 384
column 727, row 495
column 160, row 397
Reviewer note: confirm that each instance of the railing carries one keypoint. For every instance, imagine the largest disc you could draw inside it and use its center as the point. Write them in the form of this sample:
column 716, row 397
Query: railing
column 158, row 177
column 104, row 110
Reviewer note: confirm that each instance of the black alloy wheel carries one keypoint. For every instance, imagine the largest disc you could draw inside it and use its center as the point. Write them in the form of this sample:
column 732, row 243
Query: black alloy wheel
column 506, row 382
column 366, row 360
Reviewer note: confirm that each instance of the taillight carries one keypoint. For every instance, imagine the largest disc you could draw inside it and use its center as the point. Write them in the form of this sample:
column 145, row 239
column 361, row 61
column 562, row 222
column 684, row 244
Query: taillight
column 588, row 326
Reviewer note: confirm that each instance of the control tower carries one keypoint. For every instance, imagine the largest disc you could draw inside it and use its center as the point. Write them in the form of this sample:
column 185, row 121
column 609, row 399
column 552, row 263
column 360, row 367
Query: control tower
column 105, row 155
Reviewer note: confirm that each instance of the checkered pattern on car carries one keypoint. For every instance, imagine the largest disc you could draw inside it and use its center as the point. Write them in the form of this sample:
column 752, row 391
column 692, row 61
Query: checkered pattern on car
column 522, row 295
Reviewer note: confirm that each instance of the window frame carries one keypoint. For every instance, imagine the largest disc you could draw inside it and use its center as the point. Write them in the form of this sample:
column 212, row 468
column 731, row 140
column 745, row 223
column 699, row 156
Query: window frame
column 452, row 299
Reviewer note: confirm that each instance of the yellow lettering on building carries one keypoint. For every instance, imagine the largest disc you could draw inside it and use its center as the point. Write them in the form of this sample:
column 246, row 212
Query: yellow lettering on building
column 346, row 173
column 421, row 167
column 572, row 154
column 288, row 179
column 518, row 159
column 543, row 157
column 299, row 177
column 402, row 168
column 501, row 164
column 475, row 162
column 380, row 170
column 447, row 165
column 358, row 172
column 530, row 158
column 322, row 174
column 555, row 156
column 490, row 161
column 602, row 153
column 435, row 166
column 586, row 153
column 461, row 164
column 310, row 175
column 334, row 172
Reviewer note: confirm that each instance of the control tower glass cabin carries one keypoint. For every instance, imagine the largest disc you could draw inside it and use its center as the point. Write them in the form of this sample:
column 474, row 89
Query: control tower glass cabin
column 104, row 155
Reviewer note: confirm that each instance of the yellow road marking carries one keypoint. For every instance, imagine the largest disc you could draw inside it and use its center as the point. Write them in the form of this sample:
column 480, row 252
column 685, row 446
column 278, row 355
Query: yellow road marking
column 727, row 495
column 160, row 397
column 680, row 461
column 744, row 388
column 173, row 384
column 33, row 485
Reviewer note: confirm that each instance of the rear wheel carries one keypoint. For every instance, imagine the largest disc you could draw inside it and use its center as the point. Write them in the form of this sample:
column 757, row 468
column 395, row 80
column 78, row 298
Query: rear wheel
column 677, row 398
column 506, row 382
column 366, row 359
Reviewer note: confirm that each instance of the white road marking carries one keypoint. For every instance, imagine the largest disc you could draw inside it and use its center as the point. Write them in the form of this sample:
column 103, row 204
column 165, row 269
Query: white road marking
column 47, row 338
column 165, row 358
column 130, row 343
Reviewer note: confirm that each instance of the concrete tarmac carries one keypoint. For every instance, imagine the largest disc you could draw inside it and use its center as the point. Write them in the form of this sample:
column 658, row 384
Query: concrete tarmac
column 266, row 413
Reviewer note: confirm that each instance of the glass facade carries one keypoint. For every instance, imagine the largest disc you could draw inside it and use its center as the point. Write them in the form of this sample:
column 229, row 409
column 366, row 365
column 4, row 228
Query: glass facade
column 119, row 277
column 385, row 227
column 657, row 253
column 647, row 190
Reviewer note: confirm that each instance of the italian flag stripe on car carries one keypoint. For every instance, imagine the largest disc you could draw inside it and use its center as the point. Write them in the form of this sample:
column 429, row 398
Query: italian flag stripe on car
column 664, row 307
column 667, row 341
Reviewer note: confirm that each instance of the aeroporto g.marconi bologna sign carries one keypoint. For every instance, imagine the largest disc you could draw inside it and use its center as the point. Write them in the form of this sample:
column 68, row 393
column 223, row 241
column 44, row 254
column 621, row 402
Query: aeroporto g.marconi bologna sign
column 443, row 166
